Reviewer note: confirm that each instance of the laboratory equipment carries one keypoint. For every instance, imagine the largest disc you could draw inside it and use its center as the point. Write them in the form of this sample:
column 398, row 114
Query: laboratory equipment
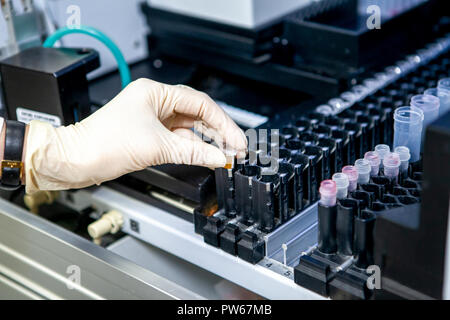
column 391, row 163
column 352, row 174
column 429, row 106
column 364, row 168
column 342, row 184
column 374, row 161
column 408, row 125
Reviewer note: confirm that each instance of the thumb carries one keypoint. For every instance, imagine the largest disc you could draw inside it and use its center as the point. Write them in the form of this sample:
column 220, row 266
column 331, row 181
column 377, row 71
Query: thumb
column 197, row 153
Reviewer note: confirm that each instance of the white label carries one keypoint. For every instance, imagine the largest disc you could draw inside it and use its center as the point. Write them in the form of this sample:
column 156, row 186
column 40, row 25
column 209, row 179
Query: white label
column 26, row 116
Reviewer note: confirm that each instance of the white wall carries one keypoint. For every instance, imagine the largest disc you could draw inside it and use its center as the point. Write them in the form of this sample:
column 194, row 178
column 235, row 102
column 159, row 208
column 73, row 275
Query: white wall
column 121, row 20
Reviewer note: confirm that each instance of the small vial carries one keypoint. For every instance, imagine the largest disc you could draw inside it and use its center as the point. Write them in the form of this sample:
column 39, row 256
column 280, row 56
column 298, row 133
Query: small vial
column 382, row 150
column 352, row 175
column 342, row 184
column 430, row 107
column 392, row 164
column 408, row 125
column 229, row 156
column 374, row 160
column 328, row 192
column 405, row 155
column 364, row 168
column 443, row 89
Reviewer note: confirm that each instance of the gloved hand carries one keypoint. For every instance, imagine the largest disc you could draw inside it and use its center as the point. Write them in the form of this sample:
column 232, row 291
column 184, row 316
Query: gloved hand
column 146, row 124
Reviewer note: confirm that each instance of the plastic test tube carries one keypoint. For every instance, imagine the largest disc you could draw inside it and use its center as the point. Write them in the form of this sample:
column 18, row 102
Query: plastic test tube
column 429, row 106
column 404, row 158
column 374, row 160
column 352, row 174
column 392, row 165
column 328, row 193
column 408, row 125
column 364, row 168
column 444, row 98
column 444, row 94
column 342, row 184
column 382, row 150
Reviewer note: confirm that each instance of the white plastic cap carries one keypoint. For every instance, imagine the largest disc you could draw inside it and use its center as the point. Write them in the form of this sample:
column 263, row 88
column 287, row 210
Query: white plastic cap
column 363, row 166
column 342, row 184
column 391, row 164
column 352, row 174
column 375, row 161
column 328, row 192
column 405, row 155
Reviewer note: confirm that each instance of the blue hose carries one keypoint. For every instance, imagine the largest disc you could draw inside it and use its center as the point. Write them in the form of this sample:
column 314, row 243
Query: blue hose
column 122, row 64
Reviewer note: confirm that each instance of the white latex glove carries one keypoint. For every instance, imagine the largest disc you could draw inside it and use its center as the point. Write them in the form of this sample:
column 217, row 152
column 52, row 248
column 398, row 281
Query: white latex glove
column 146, row 124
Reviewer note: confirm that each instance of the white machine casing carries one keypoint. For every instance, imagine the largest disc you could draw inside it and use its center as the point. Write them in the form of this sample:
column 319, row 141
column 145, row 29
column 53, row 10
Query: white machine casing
column 247, row 14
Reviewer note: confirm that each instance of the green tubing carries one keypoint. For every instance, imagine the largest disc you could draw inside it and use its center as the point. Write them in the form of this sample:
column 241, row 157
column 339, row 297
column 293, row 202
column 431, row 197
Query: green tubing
column 122, row 64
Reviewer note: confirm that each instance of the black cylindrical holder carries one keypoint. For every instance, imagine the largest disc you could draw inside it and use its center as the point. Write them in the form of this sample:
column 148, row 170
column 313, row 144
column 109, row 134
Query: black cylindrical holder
column 267, row 201
column 225, row 190
column 380, row 117
column 316, row 118
column 383, row 182
column 284, row 155
column 407, row 200
column 334, row 122
column 348, row 115
column 357, row 135
column 364, row 242
column 364, row 198
column 375, row 189
column 328, row 146
column 289, row 132
column 243, row 180
column 342, row 148
column 347, row 210
column 309, row 138
column 302, row 182
column 327, row 229
column 267, row 165
column 369, row 123
column 295, row 146
column 276, row 140
column 400, row 191
column 390, row 201
column 287, row 193
column 386, row 104
column 303, row 125
column 322, row 131
column 315, row 156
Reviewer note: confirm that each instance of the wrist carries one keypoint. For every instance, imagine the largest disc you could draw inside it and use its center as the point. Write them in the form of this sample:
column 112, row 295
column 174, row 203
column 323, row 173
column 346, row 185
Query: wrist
column 2, row 148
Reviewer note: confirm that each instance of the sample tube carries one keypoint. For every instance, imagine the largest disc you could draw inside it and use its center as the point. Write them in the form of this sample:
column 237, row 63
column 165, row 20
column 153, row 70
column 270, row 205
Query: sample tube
column 342, row 184
column 382, row 150
column 352, row 174
column 328, row 193
column 404, row 158
column 374, row 160
column 327, row 212
column 444, row 94
column 408, row 125
column 364, row 168
column 392, row 164
column 429, row 106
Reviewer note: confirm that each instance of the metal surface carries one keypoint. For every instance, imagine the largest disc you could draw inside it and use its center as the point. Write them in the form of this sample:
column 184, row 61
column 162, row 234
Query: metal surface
column 176, row 236
column 38, row 259
column 179, row 271
column 301, row 226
